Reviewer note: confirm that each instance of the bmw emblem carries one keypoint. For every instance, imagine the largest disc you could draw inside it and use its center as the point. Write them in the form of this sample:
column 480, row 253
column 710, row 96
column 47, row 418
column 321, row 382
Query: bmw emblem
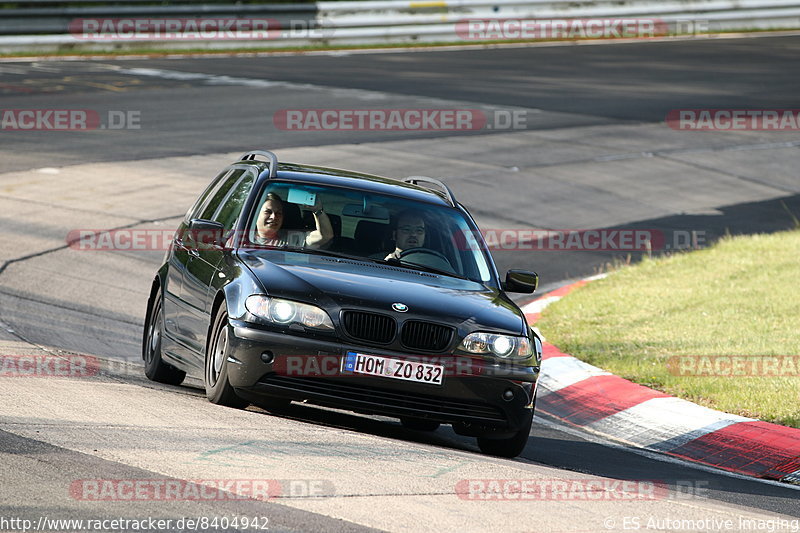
column 400, row 308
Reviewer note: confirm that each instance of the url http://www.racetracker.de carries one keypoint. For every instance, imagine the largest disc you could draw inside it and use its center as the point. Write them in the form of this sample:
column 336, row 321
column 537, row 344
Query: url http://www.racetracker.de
column 106, row 525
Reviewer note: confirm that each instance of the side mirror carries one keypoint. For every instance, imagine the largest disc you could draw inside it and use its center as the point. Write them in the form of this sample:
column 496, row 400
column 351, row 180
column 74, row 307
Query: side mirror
column 521, row 281
column 206, row 232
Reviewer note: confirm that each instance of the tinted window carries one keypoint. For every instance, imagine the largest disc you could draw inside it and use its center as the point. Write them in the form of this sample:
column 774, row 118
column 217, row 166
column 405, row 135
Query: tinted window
column 230, row 208
column 216, row 197
column 195, row 209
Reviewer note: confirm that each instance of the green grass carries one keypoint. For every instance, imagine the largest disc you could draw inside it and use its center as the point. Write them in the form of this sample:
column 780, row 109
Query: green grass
column 738, row 297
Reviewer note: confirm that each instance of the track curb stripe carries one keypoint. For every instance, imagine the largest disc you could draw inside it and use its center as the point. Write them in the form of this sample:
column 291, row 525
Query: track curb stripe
column 576, row 404
column 585, row 396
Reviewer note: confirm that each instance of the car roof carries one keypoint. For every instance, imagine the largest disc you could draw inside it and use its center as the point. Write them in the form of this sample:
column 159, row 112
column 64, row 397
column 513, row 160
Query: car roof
column 353, row 180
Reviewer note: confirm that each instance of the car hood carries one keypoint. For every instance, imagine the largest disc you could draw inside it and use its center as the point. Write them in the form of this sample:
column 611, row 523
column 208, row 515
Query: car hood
column 342, row 283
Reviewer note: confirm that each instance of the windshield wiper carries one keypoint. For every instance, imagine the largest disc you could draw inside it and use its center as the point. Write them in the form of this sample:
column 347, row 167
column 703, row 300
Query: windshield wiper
column 416, row 266
column 318, row 251
column 394, row 262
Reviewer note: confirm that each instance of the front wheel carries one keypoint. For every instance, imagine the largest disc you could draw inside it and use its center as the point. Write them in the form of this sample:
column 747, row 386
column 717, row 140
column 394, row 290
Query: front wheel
column 218, row 388
column 154, row 366
column 508, row 447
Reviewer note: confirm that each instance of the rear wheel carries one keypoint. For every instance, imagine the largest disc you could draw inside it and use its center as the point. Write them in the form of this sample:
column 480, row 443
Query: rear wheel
column 508, row 447
column 420, row 424
column 154, row 366
column 218, row 388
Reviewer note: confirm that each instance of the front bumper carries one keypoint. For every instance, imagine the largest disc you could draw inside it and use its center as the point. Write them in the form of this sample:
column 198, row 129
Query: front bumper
column 476, row 396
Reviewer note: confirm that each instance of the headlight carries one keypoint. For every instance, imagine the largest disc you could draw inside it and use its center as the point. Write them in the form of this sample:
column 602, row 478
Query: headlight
column 279, row 311
column 282, row 311
column 505, row 346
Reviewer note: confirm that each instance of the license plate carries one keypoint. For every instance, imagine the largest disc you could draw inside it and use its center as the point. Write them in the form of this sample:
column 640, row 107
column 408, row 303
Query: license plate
column 374, row 365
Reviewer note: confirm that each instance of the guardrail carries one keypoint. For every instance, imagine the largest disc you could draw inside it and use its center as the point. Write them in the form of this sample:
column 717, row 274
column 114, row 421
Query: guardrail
column 35, row 26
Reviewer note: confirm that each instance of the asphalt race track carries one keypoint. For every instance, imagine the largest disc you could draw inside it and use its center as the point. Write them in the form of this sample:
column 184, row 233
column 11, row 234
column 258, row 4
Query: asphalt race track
column 590, row 150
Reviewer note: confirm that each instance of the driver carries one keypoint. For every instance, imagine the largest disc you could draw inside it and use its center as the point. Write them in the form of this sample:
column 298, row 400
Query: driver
column 409, row 233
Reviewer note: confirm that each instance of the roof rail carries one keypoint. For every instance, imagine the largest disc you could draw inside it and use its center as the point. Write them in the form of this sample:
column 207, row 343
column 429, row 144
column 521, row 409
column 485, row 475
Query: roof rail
column 414, row 180
column 273, row 160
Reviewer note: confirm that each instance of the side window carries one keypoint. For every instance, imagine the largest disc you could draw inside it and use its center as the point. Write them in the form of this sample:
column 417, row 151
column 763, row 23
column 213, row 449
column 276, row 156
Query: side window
column 194, row 211
column 219, row 195
column 231, row 207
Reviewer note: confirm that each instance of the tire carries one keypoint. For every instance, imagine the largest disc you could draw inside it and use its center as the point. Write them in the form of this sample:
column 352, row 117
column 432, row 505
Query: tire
column 508, row 447
column 154, row 366
column 215, row 376
column 420, row 424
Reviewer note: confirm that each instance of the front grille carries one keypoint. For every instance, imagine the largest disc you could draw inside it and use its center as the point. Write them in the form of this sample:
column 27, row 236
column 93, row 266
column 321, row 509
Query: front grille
column 369, row 327
column 426, row 336
column 392, row 403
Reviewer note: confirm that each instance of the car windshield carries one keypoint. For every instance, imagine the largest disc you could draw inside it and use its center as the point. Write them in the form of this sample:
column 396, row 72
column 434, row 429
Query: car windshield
column 367, row 226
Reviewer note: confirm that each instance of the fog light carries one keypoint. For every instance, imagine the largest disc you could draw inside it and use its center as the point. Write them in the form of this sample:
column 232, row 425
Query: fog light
column 268, row 357
column 508, row 395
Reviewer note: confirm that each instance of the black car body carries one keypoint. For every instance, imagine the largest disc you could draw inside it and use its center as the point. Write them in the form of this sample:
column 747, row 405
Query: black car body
column 338, row 324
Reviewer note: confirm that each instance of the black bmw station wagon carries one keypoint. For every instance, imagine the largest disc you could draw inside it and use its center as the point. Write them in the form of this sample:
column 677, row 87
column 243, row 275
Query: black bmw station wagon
column 289, row 282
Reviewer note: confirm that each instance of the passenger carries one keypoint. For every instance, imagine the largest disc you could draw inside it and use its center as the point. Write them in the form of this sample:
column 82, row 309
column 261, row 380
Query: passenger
column 269, row 224
column 409, row 233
